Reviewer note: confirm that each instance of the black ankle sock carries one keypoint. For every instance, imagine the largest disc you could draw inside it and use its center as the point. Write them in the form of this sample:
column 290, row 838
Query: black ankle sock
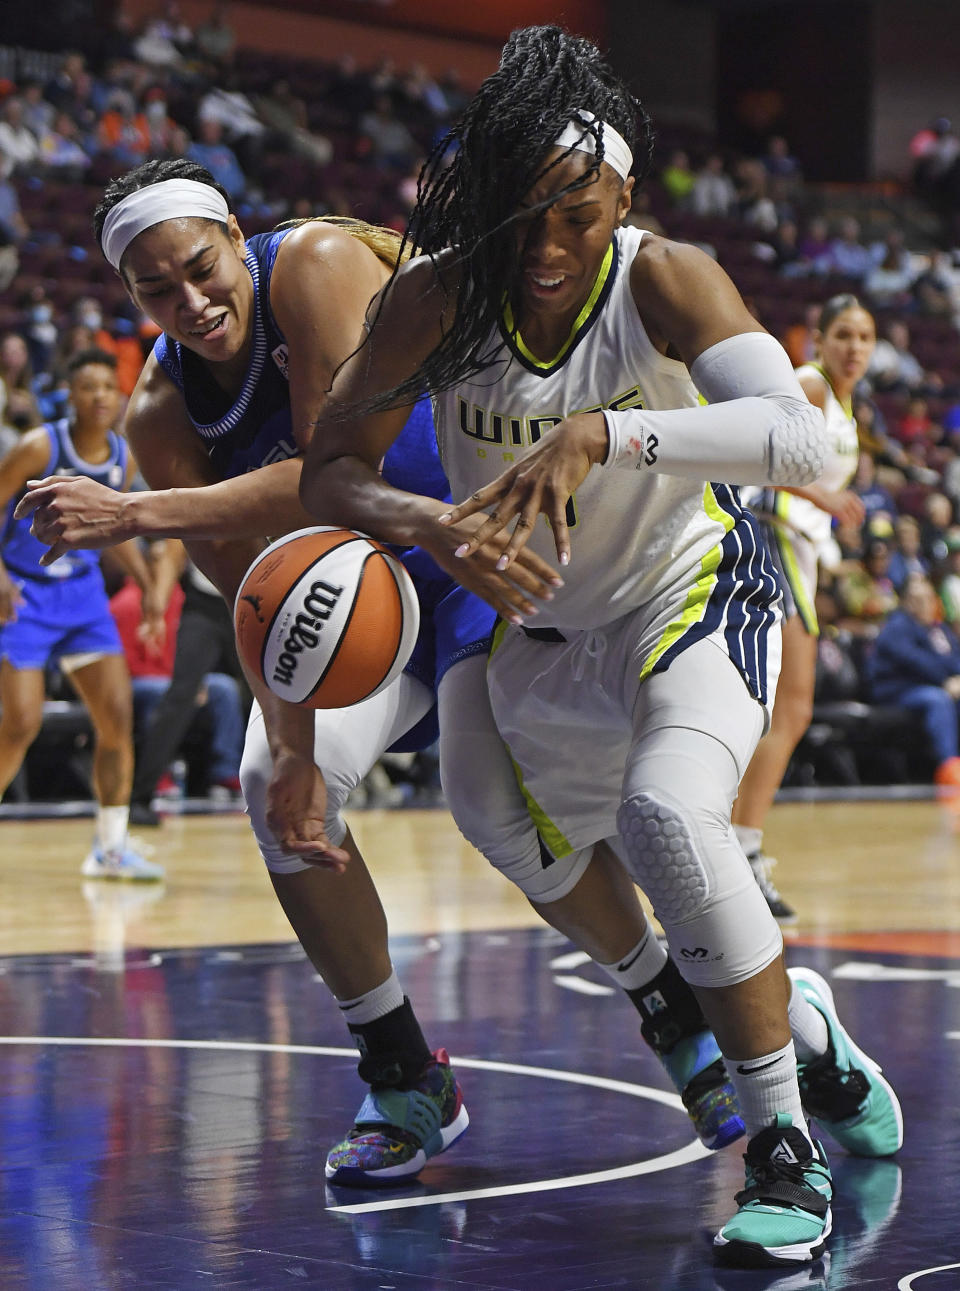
column 669, row 1009
column 393, row 1051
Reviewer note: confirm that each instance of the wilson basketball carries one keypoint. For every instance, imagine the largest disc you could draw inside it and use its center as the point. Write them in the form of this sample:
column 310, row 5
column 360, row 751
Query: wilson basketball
column 326, row 617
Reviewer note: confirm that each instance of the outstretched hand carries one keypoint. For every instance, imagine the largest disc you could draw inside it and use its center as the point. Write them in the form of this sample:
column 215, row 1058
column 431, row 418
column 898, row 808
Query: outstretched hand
column 296, row 812
column 541, row 482
column 72, row 513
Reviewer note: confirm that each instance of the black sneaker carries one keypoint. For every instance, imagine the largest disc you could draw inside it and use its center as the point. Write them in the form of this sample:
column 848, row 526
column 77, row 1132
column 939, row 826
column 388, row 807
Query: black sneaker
column 781, row 911
column 141, row 813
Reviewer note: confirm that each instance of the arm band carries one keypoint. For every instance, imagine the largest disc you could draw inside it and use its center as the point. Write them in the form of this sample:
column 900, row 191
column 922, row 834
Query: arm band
column 758, row 426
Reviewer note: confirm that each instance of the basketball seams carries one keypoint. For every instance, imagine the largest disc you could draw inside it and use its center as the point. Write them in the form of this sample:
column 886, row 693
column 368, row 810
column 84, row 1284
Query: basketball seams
column 268, row 630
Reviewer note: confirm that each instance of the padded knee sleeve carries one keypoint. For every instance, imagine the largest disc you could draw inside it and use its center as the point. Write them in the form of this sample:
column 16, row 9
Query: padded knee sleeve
column 718, row 925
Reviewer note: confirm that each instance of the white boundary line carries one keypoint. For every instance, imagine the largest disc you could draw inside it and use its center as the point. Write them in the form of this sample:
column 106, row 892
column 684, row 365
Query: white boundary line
column 905, row 1284
column 692, row 1152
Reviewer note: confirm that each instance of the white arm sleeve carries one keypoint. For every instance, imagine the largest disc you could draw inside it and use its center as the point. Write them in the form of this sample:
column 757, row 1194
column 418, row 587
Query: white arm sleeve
column 757, row 427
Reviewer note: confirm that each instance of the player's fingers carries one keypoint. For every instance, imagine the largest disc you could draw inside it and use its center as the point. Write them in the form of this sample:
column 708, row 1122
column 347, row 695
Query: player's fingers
column 55, row 552
column 497, row 520
column 476, row 502
column 536, row 567
column 522, row 530
column 39, row 496
column 561, row 534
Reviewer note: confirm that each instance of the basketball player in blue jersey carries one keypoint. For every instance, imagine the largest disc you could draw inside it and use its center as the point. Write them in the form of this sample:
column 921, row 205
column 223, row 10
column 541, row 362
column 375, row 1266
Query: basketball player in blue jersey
column 58, row 611
column 600, row 376
column 253, row 333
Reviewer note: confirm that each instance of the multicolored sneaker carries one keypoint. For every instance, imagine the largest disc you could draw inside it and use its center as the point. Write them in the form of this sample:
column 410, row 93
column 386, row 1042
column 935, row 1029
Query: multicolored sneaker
column 398, row 1130
column 844, row 1090
column 127, row 864
column 784, row 1213
column 675, row 1029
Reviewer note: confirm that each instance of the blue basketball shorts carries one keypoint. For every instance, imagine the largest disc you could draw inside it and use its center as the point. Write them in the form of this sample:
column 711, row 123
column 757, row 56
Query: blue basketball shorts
column 454, row 625
column 58, row 618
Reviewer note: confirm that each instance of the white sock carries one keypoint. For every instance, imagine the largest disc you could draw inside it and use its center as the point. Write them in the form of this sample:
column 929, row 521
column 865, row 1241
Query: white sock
column 637, row 966
column 751, row 839
column 373, row 1004
column 766, row 1086
column 112, row 828
column 808, row 1026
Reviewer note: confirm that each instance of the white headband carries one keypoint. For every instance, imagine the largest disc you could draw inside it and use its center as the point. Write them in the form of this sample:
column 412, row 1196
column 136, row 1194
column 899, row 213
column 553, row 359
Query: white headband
column 616, row 150
column 171, row 199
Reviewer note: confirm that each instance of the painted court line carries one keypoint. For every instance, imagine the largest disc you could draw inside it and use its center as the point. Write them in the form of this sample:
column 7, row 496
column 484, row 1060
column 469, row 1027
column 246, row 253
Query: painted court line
column 692, row 1152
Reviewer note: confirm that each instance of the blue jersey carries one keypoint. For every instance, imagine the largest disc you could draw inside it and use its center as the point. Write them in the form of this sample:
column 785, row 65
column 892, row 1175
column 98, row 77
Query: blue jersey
column 20, row 550
column 253, row 428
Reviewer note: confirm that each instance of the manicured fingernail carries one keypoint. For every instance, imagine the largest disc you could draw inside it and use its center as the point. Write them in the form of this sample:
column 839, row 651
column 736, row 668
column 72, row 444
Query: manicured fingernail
column 564, row 558
column 503, row 562
column 531, row 609
column 445, row 518
column 516, row 620
column 462, row 549
column 556, row 581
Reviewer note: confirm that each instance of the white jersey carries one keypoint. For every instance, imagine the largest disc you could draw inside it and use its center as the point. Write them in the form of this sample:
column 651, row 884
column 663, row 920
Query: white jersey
column 636, row 537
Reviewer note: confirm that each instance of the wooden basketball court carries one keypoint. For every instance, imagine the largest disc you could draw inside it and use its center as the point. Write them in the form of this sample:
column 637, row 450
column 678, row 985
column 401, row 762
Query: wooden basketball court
column 174, row 1073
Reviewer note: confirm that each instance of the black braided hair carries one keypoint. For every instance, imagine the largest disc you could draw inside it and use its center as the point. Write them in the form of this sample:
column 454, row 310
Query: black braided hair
column 546, row 75
column 152, row 172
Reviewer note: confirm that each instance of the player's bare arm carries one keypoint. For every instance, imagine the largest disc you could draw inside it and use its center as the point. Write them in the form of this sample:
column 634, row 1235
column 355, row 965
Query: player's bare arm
column 341, row 481
column 27, row 458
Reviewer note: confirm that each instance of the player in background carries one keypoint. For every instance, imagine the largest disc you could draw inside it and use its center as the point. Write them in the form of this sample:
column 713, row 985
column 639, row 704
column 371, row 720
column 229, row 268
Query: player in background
column 797, row 525
column 58, row 611
column 254, row 330
column 569, row 359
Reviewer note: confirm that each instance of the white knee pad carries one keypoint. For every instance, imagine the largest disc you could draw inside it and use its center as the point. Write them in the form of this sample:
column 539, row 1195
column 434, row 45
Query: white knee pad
column 690, row 866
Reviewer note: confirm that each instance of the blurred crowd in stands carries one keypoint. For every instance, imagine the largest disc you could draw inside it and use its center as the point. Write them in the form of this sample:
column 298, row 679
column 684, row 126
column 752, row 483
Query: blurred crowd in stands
column 296, row 137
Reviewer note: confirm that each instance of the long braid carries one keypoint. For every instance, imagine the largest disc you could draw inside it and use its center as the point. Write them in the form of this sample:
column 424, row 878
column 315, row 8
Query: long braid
column 471, row 204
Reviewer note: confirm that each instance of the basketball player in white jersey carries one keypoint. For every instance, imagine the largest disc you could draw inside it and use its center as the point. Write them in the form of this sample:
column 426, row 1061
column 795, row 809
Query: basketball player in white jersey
column 253, row 332
column 797, row 525
column 567, row 357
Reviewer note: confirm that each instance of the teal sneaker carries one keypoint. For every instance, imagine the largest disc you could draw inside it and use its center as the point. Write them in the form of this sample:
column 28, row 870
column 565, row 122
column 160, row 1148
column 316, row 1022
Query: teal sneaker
column 844, row 1090
column 784, row 1211
column 398, row 1130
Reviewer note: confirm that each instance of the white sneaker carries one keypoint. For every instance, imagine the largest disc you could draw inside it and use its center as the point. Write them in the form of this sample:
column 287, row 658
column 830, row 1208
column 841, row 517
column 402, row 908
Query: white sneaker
column 125, row 864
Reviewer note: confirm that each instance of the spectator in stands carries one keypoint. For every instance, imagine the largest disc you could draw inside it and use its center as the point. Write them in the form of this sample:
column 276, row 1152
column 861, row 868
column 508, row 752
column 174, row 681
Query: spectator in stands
column 916, row 422
column 165, row 39
column 641, row 215
column 14, row 230
column 123, row 133
column 87, row 312
column 935, row 150
column 889, row 281
column 392, row 146
column 19, row 147
column 846, row 254
column 866, row 594
column 938, row 517
column 21, row 411
column 211, row 151
column 713, row 191
column 754, row 204
column 215, row 40
column 678, row 179
column 39, row 330
column 780, row 163
column 61, row 91
column 160, row 125
column 38, row 112
column 893, row 369
column 815, row 243
column 936, row 292
column 286, row 116
column 242, row 129
column 62, row 150
column 906, row 558
column 915, row 664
